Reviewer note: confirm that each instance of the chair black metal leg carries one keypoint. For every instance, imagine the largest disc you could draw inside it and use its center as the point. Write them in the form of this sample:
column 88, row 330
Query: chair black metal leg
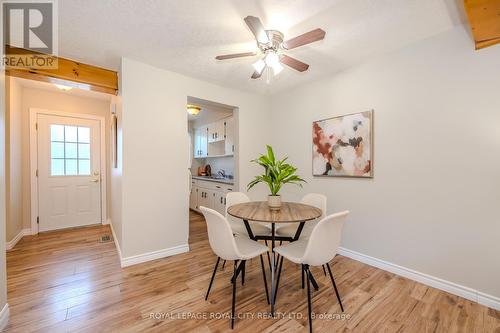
column 303, row 273
column 264, row 276
column 243, row 272
column 268, row 256
column 278, row 258
column 313, row 280
column 278, row 280
column 309, row 305
column 324, row 270
column 212, row 279
column 335, row 287
column 233, row 307
column 223, row 264
column 235, row 266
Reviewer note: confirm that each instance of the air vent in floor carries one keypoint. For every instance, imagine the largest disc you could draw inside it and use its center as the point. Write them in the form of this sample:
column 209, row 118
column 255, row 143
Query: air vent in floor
column 105, row 239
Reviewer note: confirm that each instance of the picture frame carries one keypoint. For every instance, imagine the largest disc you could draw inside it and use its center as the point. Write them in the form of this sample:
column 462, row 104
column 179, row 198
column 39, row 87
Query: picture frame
column 342, row 146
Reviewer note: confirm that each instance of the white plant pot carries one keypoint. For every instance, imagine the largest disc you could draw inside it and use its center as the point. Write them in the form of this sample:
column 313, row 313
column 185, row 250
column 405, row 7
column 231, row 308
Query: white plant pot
column 274, row 202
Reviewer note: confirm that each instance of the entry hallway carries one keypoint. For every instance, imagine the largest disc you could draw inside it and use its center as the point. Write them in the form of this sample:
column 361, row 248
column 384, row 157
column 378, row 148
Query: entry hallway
column 69, row 281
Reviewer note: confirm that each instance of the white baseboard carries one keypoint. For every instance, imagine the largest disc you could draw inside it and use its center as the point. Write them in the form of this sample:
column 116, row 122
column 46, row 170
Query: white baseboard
column 4, row 317
column 10, row 245
column 117, row 245
column 429, row 280
column 133, row 260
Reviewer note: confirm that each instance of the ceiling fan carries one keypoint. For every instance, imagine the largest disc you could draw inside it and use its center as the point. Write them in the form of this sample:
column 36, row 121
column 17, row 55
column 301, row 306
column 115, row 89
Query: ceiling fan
column 272, row 46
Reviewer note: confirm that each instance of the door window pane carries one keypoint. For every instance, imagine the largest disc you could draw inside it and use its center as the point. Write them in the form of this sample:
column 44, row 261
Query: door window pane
column 71, row 167
column 84, row 134
column 57, row 150
column 57, row 133
column 84, row 167
column 83, row 150
column 70, row 150
column 57, row 167
column 70, row 134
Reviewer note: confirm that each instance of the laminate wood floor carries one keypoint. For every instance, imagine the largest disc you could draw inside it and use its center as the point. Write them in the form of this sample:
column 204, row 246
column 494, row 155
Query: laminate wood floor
column 68, row 281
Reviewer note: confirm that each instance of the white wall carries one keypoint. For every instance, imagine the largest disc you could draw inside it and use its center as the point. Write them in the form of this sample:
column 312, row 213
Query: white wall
column 3, row 268
column 58, row 101
column 13, row 148
column 116, row 178
column 433, row 204
column 155, row 180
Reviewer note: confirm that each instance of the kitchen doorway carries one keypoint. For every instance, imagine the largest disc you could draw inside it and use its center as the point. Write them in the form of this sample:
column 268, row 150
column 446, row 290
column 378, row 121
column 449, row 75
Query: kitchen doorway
column 213, row 136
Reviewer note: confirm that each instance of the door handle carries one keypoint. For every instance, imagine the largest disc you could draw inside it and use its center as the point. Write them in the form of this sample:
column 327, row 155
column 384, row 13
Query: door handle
column 95, row 180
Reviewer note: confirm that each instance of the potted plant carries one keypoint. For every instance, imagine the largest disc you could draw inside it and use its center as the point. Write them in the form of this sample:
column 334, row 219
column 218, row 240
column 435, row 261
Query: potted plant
column 277, row 173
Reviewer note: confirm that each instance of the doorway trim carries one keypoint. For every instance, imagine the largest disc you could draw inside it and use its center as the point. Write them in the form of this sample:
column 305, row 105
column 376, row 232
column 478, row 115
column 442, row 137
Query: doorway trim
column 33, row 146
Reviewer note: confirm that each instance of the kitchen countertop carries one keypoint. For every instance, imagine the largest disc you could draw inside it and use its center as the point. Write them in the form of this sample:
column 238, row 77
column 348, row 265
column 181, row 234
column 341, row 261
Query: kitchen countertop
column 208, row 179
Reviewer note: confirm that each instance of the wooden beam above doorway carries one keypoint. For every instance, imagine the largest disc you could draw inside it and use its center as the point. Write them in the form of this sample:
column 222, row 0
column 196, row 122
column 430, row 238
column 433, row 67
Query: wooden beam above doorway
column 484, row 20
column 68, row 72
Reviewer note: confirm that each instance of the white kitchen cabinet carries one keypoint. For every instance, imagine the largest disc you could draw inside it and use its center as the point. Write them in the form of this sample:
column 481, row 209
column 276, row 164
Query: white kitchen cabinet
column 220, row 202
column 216, row 131
column 201, row 142
column 205, row 198
column 209, row 194
column 193, row 197
column 229, row 135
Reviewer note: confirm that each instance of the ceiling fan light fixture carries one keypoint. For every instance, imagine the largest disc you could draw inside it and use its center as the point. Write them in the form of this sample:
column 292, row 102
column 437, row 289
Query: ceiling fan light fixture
column 272, row 59
column 193, row 109
column 259, row 66
column 277, row 68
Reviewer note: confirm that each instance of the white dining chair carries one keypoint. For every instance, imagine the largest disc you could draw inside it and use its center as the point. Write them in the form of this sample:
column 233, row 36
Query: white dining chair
column 317, row 250
column 312, row 199
column 228, row 247
column 290, row 229
column 237, row 225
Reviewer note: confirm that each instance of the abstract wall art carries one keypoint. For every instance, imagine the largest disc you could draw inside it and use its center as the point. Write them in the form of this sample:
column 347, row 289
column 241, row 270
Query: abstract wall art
column 343, row 146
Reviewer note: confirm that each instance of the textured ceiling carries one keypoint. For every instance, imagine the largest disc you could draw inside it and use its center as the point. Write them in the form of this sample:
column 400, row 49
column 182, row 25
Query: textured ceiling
column 185, row 36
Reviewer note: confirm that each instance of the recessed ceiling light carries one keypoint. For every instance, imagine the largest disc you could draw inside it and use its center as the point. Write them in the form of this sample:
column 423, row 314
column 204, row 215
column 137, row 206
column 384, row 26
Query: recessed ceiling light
column 63, row 87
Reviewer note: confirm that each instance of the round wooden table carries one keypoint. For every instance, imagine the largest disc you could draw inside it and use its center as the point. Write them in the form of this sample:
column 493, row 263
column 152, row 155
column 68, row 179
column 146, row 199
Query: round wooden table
column 290, row 212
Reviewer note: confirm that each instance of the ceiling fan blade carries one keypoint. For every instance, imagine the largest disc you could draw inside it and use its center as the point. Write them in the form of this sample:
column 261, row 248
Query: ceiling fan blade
column 294, row 63
column 256, row 74
column 257, row 29
column 307, row 38
column 235, row 55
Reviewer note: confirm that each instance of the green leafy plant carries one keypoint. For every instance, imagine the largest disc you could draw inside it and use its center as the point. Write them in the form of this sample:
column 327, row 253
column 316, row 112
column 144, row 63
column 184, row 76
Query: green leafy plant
column 277, row 173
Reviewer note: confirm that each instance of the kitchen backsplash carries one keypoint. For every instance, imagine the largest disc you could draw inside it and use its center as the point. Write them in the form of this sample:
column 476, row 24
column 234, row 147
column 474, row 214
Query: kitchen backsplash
column 216, row 163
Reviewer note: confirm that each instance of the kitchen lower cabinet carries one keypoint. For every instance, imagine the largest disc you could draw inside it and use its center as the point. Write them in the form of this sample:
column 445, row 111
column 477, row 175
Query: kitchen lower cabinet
column 220, row 202
column 209, row 194
column 193, row 198
column 205, row 198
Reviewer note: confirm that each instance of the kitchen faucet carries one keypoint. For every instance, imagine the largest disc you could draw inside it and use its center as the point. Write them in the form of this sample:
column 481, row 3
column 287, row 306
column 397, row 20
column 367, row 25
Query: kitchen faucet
column 222, row 173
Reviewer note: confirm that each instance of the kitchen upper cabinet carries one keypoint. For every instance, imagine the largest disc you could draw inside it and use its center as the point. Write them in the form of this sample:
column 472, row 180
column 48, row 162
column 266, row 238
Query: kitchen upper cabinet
column 215, row 139
column 201, row 142
column 216, row 131
column 229, row 135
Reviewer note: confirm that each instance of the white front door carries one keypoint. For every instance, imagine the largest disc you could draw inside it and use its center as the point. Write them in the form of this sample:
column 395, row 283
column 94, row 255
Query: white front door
column 69, row 189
